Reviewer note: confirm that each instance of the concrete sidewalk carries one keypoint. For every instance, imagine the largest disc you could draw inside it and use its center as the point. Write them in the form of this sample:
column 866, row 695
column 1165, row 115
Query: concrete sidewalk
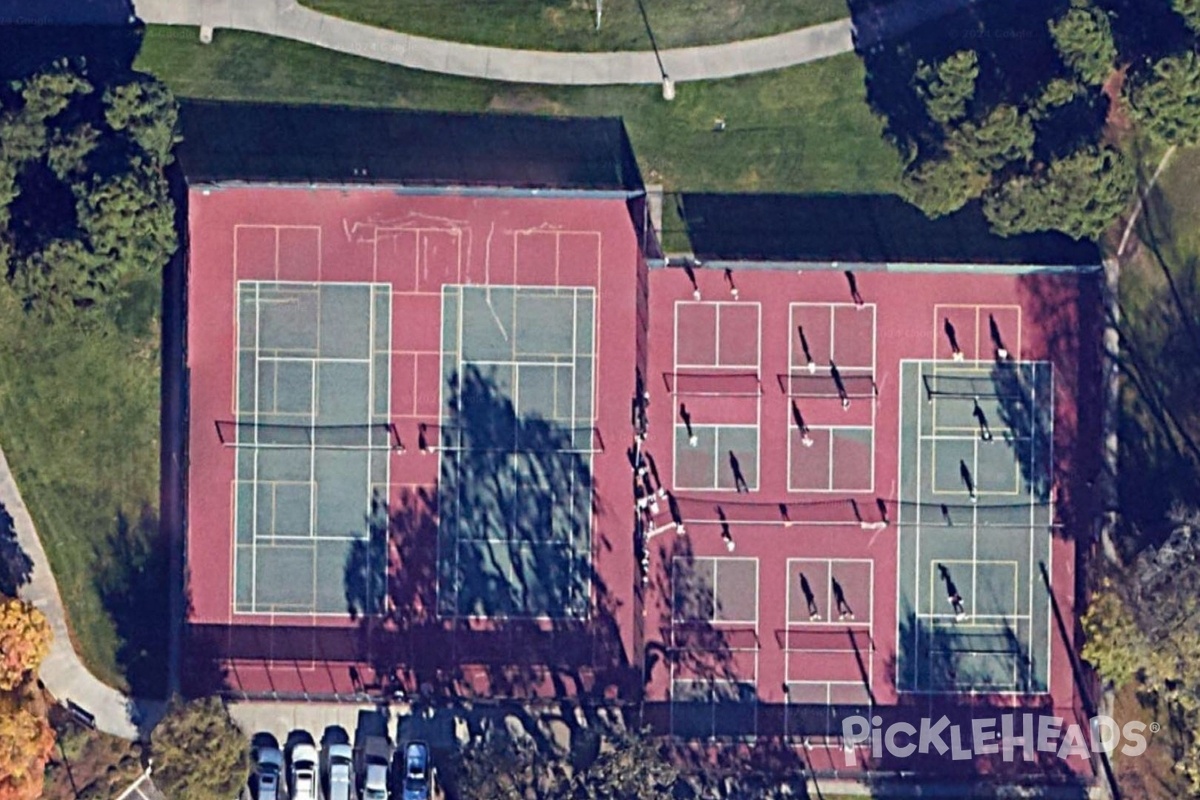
column 289, row 20
column 62, row 673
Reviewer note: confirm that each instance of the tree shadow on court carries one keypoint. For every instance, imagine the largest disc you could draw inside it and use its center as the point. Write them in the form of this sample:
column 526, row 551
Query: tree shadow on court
column 728, row 742
column 1068, row 315
column 1027, row 412
column 461, row 635
column 132, row 583
column 15, row 564
column 961, row 709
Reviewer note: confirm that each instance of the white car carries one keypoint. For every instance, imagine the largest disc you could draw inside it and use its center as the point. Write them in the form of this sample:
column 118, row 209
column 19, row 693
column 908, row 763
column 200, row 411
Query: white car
column 302, row 778
column 340, row 766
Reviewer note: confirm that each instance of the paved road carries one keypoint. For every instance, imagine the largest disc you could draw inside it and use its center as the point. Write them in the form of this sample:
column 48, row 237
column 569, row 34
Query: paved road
column 62, row 673
column 289, row 20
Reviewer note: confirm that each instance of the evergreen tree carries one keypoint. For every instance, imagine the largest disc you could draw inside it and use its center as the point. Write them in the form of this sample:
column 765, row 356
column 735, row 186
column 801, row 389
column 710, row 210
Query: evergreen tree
column 1083, row 37
column 948, row 87
column 1079, row 195
column 1165, row 99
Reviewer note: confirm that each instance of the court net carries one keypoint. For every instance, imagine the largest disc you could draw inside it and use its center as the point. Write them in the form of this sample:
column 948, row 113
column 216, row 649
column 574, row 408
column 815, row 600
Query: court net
column 1007, row 387
column 525, row 436
column 806, row 384
column 713, row 384
column 373, row 436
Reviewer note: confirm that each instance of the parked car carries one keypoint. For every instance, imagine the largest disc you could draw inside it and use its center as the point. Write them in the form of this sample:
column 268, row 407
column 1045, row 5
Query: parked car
column 340, row 765
column 372, row 754
column 302, row 782
column 416, row 771
column 268, row 768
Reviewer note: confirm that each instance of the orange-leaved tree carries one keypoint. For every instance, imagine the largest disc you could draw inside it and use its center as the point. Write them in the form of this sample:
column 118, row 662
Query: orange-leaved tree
column 26, row 741
column 24, row 641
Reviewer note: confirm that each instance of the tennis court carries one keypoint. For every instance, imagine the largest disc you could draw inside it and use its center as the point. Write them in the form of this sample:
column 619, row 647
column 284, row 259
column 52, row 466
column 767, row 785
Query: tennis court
column 715, row 645
column 516, row 438
column 975, row 523
column 312, row 438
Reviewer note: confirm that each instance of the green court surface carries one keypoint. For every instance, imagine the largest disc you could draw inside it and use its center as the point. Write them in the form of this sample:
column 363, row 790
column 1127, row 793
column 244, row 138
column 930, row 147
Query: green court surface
column 516, row 440
column 313, row 442
column 975, row 523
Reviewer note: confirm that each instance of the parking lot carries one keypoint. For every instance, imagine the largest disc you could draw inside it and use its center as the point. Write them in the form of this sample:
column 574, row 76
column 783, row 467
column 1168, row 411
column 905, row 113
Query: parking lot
column 334, row 751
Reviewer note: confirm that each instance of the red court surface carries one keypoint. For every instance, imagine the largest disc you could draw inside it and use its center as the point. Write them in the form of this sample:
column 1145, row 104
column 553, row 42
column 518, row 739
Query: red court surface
column 415, row 245
column 804, row 608
column 777, row 605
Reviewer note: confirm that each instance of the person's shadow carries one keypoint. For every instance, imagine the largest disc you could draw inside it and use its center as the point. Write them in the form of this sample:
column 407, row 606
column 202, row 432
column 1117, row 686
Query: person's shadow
column 944, row 574
column 810, row 599
column 839, row 598
column 739, row 478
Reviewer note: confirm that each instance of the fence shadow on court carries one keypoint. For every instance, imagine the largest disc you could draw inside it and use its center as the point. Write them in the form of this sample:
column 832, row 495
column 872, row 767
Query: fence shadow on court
column 1045, row 768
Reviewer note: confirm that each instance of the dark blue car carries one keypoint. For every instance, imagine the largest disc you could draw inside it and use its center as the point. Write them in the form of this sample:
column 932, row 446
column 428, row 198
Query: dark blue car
column 416, row 771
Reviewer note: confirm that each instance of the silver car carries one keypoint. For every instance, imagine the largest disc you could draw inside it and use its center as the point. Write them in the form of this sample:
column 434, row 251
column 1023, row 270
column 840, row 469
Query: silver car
column 268, row 769
column 339, row 766
column 303, row 775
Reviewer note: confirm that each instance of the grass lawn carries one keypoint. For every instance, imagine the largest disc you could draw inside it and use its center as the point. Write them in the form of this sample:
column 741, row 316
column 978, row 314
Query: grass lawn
column 79, row 424
column 1179, row 201
column 571, row 24
column 803, row 129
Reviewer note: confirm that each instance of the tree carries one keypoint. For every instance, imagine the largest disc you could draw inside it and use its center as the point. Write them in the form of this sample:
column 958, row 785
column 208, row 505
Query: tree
column 1056, row 94
column 1144, row 625
column 1003, row 136
column 108, row 152
column 503, row 767
column 50, row 92
column 629, row 768
column 130, row 223
column 68, row 149
column 1116, row 647
column 1084, row 39
column 148, row 113
column 1079, row 195
column 942, row 185
column 24, row 641
column 1165, row 99
column 62, row 275
column 1190, row 11
column 199, row 751
column 26, row 741
column 947, row 87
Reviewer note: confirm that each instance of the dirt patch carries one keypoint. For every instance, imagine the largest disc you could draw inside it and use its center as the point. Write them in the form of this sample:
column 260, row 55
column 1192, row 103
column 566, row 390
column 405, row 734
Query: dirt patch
column 1117, row 125
column 525, row 103
column 1152, row 775
column 88, row 764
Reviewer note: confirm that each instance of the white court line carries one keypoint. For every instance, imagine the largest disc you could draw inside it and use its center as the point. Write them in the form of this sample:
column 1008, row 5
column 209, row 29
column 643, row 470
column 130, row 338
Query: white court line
column 254, row 456
column 828, row 620
column 900, row 526
column 716, row 563
column 917, row 587
column 975, row 527
column 306, row 359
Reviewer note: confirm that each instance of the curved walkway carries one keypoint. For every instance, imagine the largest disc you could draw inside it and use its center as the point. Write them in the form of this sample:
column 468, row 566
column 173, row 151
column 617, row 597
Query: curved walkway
column 62, row 673
column 289, row 20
